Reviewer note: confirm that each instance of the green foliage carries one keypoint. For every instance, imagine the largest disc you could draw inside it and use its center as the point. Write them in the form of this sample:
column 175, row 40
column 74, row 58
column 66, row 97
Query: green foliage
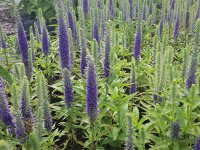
column 33, row 141
column 161, row 71
column 4, row 145
column 5, row 75
column 32, row 6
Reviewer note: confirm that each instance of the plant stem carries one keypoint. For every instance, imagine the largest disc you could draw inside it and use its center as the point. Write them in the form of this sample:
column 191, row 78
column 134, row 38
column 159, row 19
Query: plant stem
column 46, row 65
column 6, row 56
column 185, row 38
column 173, row 116
column 106, row 88
column 73, row 137
column 93, row 146
column 188, row 112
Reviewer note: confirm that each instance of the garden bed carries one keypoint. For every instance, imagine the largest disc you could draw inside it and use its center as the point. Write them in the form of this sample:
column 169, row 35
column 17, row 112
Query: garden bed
column 117, row 74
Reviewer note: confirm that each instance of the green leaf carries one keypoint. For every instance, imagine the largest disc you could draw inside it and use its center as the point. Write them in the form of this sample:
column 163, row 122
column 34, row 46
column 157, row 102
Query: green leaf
column 5, row 75
column 136, row 114
column 122, row 115
column 115, row 132
column 33, row 2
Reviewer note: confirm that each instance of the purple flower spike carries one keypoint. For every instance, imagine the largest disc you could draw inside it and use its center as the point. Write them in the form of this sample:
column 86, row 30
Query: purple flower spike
column 175, row 130
column 20, row 129
column 99, row 4
column 3, row 43
column 91, row 92
column 64, row 49
column 86, row 7
column 5, row 114
column 111, row 8
column 197, row 15
column 23, row 46
column 131, row 9
column 172, row 4
column 151, row 7
column 129, row 141
column 137, row 8
column 68, row 88
column 25, row 107
column 157, row 98
column 48, row 119
column 176, row 29
column 39, row 26
column 197, row 144
column 45, row 41
column 187, row 19
column 103, row 33
column 191, row 78
column 161, row 27
column 95, row 34
column 47, row 111
column 144, row 11
column 83, row 52
column 133, row 88
column 72, row 24
column 137, row 45
column 125, row 12
column 187, row 15
column 106, row 68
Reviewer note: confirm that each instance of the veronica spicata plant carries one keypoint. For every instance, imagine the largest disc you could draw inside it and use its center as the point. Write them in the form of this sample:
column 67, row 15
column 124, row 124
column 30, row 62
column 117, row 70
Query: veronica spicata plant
column 91, row 91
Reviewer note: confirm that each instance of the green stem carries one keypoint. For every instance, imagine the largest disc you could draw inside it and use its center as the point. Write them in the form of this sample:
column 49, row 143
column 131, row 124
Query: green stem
column 185, row 38
column 169, row 31
column 144, row 144
column 173, row 118
column 93, row 145
column 6, row 56
column 188, row 117
column 183, row 79
column 173, row 111
column 172, row 143
column 72, row 132
column 137, row 65
column 46, row 65
column 106, row 88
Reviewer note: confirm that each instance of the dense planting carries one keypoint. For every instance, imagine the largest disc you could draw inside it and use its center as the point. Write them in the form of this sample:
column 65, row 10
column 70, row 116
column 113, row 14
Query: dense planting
column 115, row 74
